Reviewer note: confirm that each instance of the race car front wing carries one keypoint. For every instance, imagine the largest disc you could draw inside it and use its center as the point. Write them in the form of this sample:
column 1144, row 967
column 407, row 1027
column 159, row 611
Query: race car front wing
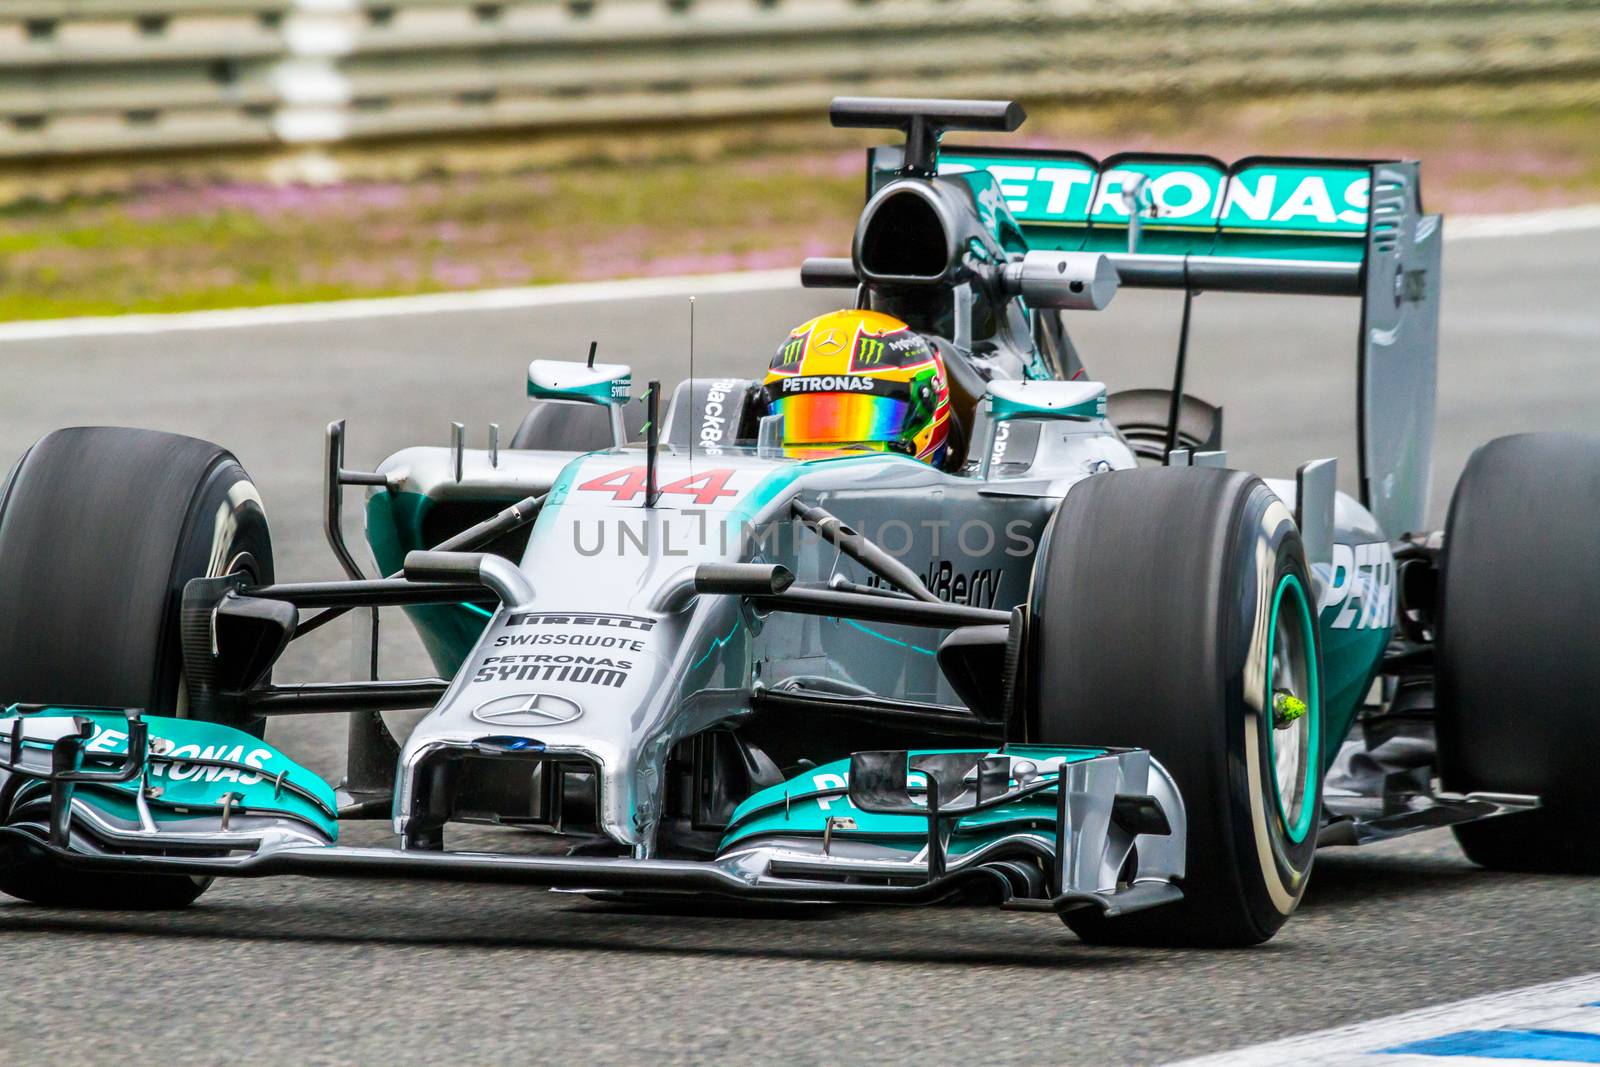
column 1116, row 842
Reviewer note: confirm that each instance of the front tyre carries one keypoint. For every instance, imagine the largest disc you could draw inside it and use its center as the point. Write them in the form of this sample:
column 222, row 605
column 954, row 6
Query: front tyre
column 1519, row 649
column 100, row 529
column 1172, row 610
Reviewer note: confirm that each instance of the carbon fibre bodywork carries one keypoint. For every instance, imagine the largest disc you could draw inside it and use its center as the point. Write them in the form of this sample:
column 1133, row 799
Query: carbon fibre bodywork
column 973, row 541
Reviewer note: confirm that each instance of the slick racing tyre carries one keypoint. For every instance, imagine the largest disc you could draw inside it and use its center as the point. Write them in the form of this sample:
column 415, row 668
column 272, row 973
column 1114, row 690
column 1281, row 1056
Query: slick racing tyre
column 100, row 529
column 1172, row 610
column 1519, row 649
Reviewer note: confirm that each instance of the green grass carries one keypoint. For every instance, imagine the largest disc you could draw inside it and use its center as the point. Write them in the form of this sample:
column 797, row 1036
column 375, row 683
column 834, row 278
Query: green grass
column 205, row 245
column 180, row 248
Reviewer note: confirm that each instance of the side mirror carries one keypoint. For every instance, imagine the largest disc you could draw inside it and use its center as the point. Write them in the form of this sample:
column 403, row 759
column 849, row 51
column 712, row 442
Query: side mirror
column 1006, row 400
column 1023, row 399
column 589, row 383
column 596, row 383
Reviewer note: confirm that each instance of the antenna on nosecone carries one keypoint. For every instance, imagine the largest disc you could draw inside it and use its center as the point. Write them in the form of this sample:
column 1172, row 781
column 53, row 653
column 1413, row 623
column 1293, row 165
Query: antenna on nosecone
column 594, row 346
column 691, row 381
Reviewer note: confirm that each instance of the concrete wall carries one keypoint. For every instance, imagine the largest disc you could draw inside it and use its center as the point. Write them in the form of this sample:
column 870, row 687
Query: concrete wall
column 131, row 76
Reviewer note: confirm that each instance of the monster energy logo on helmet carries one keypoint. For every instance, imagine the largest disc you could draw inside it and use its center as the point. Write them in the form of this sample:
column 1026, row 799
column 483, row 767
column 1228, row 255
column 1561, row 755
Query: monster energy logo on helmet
column 869, row 350
column 902, row 348
column 790, row 352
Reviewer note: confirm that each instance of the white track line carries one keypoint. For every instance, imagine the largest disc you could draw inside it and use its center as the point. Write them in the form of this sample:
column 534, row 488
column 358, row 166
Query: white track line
column 1523, row 223
column 1556, row 1006
column 533, row 296
column 1464, row 227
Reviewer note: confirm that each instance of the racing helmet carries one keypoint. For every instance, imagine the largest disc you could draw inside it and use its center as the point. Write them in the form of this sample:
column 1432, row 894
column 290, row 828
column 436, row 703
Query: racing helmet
column 861, row 379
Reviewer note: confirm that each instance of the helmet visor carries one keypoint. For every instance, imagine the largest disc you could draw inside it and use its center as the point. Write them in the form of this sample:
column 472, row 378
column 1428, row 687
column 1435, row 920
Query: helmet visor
column 841, row 418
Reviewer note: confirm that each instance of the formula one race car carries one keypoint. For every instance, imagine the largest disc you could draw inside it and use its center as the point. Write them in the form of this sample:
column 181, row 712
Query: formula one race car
column 968, row 627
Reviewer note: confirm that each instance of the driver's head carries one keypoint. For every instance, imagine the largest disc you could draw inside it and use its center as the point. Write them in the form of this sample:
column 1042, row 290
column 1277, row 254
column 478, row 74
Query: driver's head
column 861, row 379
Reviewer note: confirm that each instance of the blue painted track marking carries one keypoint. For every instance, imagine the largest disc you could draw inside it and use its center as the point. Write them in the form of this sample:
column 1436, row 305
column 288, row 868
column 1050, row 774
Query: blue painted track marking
column 1540, row 1046
column 1558, row 1022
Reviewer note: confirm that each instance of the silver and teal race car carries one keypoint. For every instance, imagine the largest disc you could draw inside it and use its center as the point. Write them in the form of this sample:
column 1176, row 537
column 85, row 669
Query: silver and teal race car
column 1081, row 667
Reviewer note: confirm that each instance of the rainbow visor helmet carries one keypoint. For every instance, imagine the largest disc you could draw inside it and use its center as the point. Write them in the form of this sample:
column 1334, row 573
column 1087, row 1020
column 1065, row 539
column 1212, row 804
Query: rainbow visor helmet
column 852, row 379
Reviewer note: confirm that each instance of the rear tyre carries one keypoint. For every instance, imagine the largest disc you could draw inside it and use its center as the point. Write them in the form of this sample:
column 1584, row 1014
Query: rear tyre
column 1169, row 607
column 100, row 529
column 1519, row 649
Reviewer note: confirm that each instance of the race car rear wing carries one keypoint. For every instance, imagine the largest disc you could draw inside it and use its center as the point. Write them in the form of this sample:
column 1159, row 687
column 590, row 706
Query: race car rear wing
column 1265, row 224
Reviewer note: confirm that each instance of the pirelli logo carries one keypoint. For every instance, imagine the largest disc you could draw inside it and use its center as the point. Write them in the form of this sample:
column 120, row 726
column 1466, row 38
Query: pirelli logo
column 599, row 620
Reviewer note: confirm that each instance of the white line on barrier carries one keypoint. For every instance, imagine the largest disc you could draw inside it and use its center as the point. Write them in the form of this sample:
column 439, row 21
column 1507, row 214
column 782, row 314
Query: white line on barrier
column 313, row 89
column 1464, row 227
column 1568, row 1007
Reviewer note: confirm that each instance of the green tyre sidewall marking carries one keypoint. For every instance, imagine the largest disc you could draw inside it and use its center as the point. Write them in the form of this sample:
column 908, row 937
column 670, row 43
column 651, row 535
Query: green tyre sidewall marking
column 1297, row 831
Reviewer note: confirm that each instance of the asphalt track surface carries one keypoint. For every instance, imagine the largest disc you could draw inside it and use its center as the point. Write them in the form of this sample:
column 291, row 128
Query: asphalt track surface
column 310, row 972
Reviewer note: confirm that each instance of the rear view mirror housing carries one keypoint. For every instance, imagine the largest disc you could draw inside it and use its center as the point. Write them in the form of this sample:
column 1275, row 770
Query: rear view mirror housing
column 595, row 383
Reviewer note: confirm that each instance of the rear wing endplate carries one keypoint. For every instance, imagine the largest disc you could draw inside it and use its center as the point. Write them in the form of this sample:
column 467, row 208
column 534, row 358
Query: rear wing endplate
column 1265, row 224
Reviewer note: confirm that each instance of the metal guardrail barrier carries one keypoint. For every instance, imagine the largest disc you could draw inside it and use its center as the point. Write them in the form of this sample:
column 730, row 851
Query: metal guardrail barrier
column 88, row 76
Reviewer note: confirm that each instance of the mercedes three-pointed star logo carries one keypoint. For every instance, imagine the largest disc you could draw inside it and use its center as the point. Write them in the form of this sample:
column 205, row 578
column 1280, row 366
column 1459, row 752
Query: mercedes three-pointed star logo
column 527, row 709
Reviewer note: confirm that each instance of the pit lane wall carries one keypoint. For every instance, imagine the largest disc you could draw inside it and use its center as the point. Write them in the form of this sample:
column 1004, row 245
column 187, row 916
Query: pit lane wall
column 82, row 77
